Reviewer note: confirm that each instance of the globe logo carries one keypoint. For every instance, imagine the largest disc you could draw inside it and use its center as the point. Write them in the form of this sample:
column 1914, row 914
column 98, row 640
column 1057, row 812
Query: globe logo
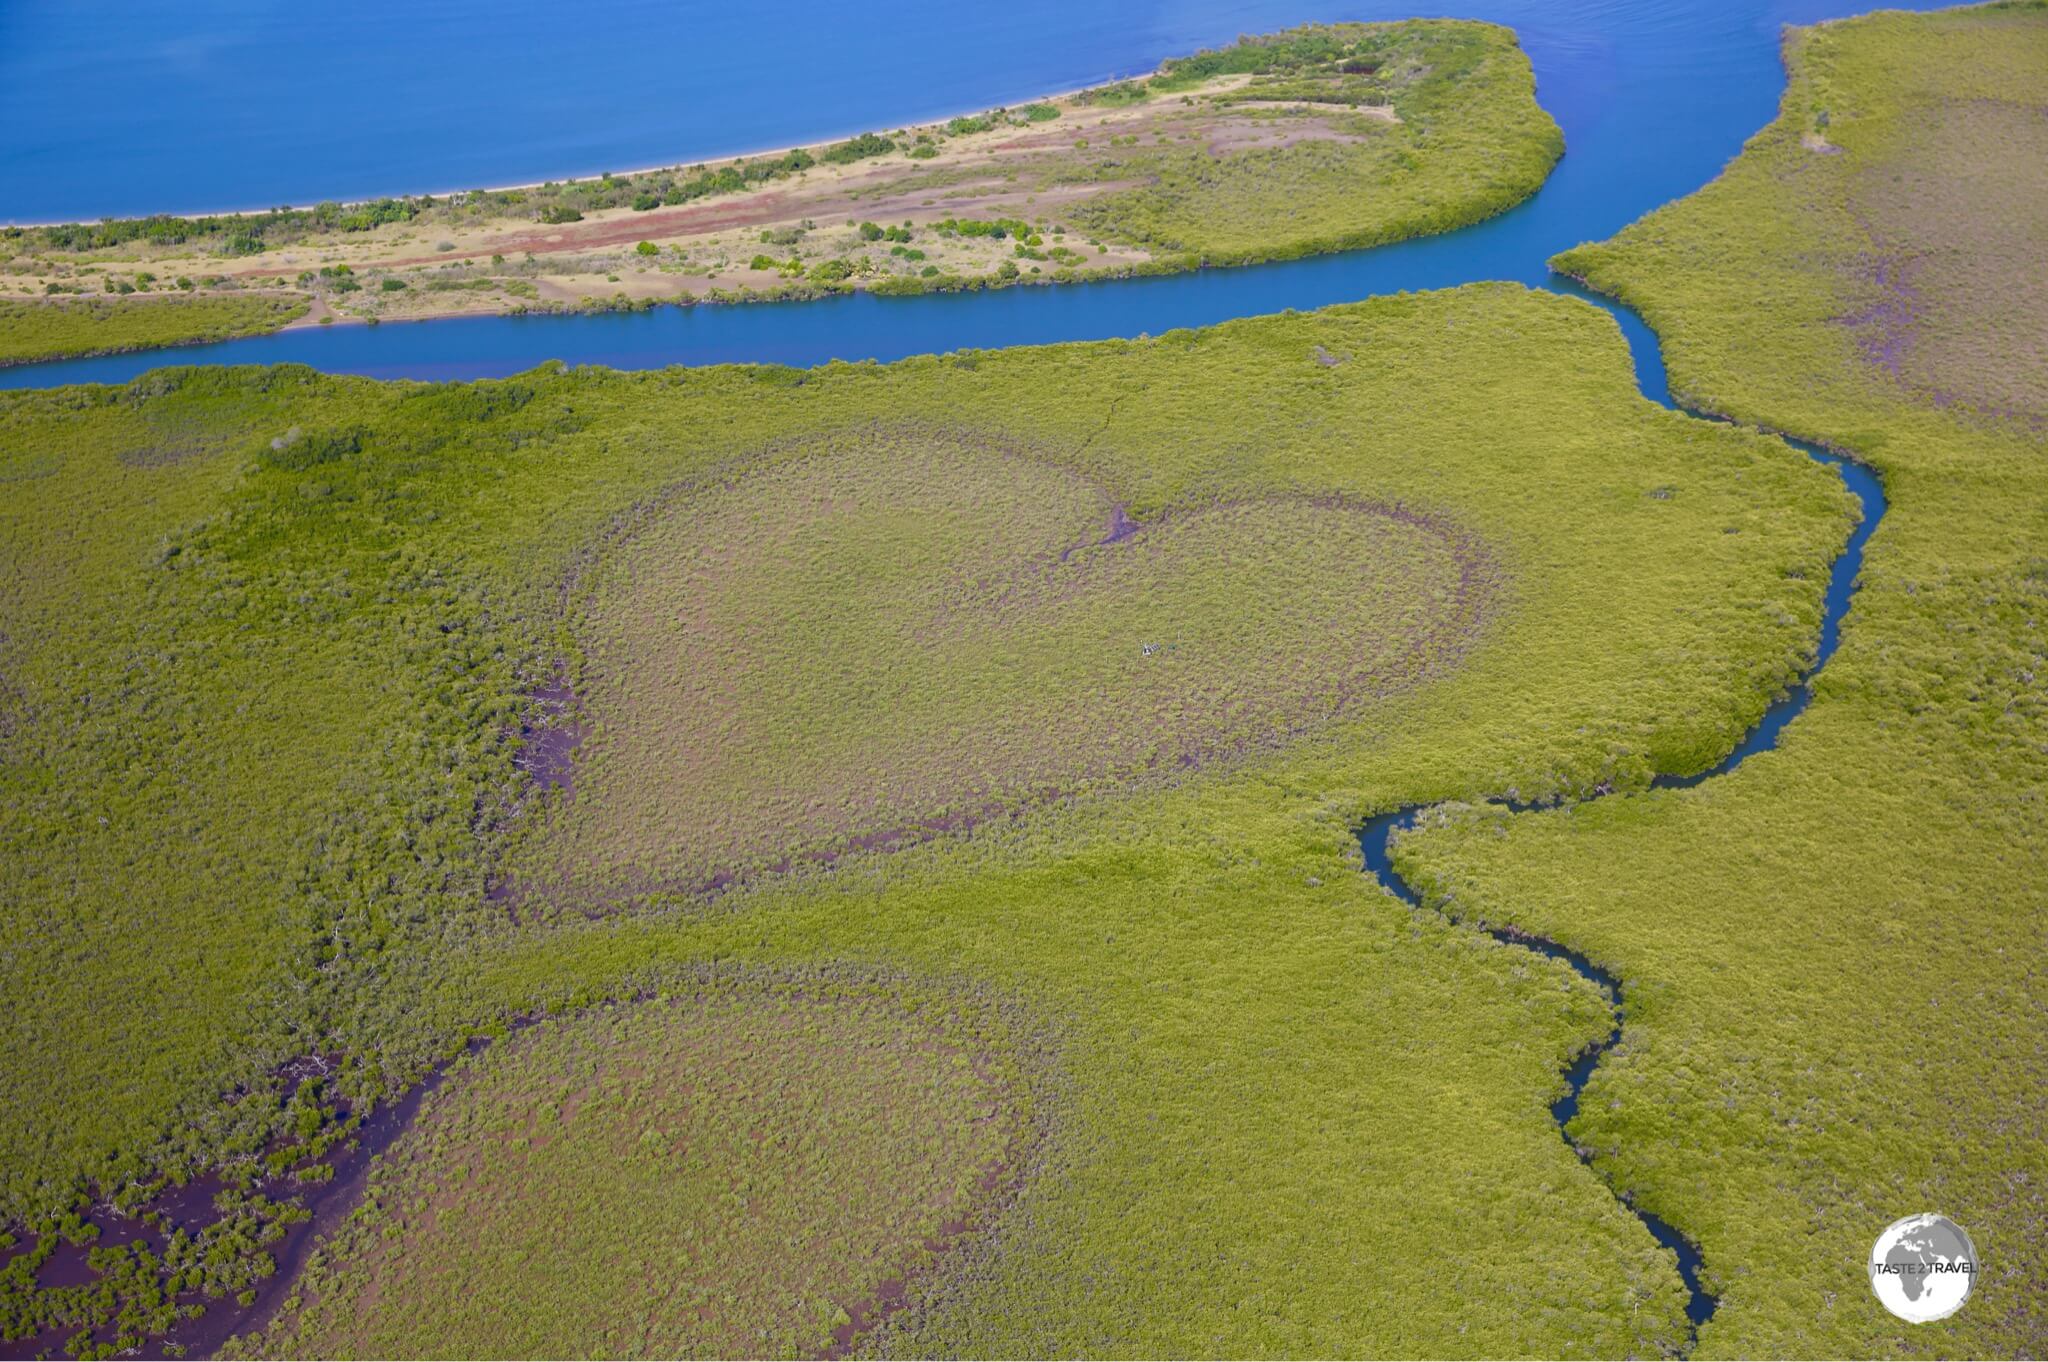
column 1922, row 1268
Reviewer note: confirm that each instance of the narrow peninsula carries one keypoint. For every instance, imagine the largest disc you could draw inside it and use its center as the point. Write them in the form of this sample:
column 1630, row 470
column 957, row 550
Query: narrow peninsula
column 1321, row 138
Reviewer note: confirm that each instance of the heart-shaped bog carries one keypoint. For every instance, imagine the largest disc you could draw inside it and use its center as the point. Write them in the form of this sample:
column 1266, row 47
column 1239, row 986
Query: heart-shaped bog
column 854, row 649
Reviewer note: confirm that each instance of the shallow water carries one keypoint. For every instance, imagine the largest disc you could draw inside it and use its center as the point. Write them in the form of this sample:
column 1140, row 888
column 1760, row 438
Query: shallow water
column 1654, row 96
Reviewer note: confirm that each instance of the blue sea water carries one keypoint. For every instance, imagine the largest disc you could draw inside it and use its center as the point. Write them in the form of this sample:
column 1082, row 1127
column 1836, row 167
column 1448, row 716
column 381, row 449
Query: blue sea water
column 112, row 108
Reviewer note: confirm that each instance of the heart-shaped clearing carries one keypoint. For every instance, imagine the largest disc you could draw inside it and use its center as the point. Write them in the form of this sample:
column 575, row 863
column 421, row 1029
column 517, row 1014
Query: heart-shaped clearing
column 854, row 649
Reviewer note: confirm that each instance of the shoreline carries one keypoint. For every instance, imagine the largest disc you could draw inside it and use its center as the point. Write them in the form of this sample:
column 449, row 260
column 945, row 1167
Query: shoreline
column 593, row 267
column 745, row 297
column 677, row 165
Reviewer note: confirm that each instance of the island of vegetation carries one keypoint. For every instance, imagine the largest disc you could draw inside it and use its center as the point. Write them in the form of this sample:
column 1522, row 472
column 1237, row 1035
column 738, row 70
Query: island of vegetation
column 1323, row 138
column 350, row 723
column 64, row 329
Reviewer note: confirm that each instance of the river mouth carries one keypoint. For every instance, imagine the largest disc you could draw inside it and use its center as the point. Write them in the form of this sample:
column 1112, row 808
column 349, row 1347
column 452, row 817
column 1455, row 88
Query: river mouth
column 1637, row 137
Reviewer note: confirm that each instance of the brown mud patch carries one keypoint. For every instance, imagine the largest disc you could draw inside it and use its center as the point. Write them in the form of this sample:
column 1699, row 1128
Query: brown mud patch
column 1884, row 329
column 1263, row 135
column 550, row 732
column 549, row 737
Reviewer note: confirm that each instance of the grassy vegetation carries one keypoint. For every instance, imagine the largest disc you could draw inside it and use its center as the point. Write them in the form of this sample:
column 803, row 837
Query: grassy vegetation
column 31, row 331
column 1311, row 49
column 733, row 1172
column 1837, row 1014
column 262, row 702
column 915, row 631
column 1467, row 140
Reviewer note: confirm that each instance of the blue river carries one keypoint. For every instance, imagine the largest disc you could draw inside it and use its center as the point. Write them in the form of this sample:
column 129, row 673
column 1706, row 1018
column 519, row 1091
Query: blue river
column 115, row 108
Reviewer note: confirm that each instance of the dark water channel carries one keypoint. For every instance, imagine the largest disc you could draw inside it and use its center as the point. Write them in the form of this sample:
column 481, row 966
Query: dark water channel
column 1375, row 835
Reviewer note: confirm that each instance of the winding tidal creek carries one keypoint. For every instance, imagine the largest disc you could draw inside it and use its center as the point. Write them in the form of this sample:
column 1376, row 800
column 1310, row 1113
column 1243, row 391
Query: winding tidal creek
column 1377, row 834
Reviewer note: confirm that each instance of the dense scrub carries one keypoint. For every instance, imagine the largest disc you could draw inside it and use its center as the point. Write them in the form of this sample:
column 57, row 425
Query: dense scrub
column 1837, row 1013
column 269, row 641
column 31, row 331
column 1465, row 140
column 734, row 1171
column 555, row 202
